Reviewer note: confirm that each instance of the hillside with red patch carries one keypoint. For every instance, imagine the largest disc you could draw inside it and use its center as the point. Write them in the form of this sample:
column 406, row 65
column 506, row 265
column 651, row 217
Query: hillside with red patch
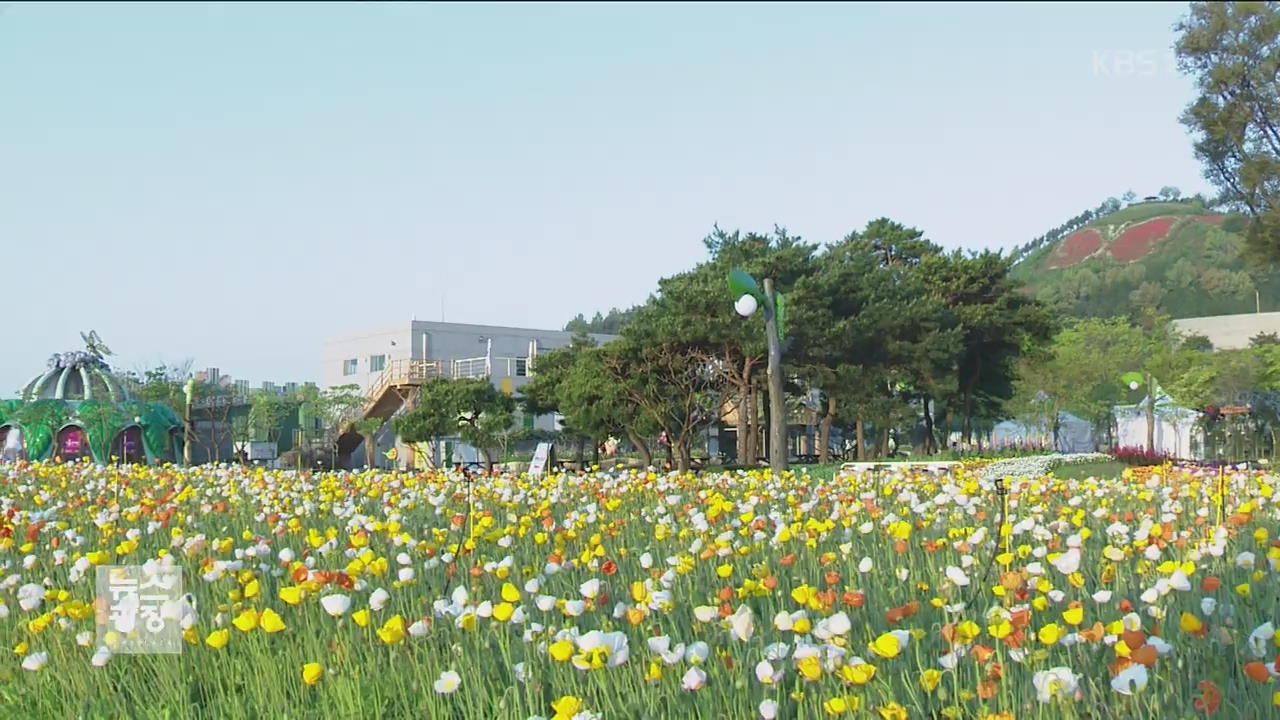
column 1078, row 246
column 1134, row 243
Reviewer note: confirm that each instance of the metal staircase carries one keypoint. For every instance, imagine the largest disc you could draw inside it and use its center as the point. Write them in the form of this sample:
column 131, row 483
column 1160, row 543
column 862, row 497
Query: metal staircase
column 394, row 393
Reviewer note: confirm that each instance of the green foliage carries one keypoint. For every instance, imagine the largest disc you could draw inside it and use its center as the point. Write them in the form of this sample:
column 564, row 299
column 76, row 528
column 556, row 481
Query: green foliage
column 101, row 421
column 1198, row 269
column 267, row 412
column 162, row 384
column 610, row 324
column 1079, row 372
column 40, row 420
column 8, row 408
column 1232, row 50
column 470, row 408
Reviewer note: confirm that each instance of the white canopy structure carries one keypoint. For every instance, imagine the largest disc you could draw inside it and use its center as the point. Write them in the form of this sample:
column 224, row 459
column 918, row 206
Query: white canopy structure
column 1176, row 431
column 1075, row 435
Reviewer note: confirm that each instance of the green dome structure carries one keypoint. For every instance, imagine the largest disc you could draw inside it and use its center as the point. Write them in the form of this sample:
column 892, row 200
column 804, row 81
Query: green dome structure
column 78, row 408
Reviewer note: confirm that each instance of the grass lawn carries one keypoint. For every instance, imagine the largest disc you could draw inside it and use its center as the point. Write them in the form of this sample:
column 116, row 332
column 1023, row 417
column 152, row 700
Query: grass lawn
column 1104, row 469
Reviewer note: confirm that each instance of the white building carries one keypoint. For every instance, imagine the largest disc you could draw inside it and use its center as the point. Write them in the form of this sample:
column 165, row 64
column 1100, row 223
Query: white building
column 1230, row 332
column 372, row 359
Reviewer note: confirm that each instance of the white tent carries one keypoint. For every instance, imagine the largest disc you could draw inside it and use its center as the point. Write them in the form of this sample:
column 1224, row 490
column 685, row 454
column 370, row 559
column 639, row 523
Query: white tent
column 1074, row 434
column 1176, row 430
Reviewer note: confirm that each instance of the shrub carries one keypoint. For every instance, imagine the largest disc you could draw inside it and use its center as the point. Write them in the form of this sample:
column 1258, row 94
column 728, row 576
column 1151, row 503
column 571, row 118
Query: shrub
column 1139, row 456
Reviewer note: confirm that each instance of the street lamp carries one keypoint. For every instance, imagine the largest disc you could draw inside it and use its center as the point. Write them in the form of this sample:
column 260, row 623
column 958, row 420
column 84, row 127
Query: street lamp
column 751, row 298
column 188, row 391
column 1135, row 380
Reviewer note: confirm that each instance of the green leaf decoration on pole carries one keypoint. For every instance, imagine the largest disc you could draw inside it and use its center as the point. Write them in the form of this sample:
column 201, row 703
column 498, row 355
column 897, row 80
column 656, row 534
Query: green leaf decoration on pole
column 780, row 313
column 741, row 283
column 1132, row 377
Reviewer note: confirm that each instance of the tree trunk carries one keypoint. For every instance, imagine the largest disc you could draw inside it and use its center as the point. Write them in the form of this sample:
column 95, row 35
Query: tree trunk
column 686, row 461
column 582, row 449
column 824, row 432
column 743, row 426
column 670, row 458
column 488, row 460
column 595, row 453
column 966, row 422
column 883, row 449
column 369, row 450
column 753, row 427
column 928, row 427
column 1151, row 417
column 646, row 455
column 860, row 437
column 945, row 435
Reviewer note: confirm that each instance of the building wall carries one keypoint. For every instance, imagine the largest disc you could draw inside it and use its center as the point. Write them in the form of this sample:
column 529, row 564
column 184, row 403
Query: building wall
column 444, row 343
column 1230, row 332
column 440, row 342
column 394, row 344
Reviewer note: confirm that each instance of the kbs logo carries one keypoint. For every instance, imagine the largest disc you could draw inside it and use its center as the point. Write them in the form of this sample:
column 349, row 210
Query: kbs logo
column 1133, row 63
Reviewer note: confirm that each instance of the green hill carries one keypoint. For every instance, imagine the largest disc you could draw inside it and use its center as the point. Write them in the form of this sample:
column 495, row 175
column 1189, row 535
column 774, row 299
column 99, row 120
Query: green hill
column 1175, row 255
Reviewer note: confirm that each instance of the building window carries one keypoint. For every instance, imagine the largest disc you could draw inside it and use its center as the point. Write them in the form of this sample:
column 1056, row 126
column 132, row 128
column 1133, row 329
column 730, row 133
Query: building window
column 522, row 367
column 377, row 363
column 349, row 366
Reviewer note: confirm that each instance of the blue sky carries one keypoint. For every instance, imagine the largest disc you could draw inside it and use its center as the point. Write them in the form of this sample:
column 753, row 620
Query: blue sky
column 236, row 183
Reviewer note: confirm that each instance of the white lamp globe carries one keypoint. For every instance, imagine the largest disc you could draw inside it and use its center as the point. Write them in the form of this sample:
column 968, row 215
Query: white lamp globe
column 1133, row 385
column 746, row 305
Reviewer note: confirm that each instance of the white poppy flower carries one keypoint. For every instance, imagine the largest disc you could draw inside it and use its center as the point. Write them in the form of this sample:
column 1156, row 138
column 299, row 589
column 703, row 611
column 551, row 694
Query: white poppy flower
column 1058, row 682
column 1131, row 681
column 449, row 682
column 335, row 605
column 694, row 680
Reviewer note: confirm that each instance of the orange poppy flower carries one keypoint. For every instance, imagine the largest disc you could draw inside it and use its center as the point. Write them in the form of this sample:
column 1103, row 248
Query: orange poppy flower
column 726, row 594
column 1210, row 699
column 983, row 653
column 788, row 561
column 831, row 577
column 1094, row 634
column 1134, row 639
column 854, row 599
column 609, row 568
column 771, row 582
column 987, row 689
column 1145, row 655
column 1126, row 606
column 1020, row 619
column 300, row 575
column 900, row 547
column 1257, row 672
column 1210, row 584
column 1015, row 638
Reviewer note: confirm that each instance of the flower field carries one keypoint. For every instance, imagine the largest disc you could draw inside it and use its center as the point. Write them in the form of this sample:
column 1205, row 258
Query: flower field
column 1135, row 242
column 1078, row 246
column 623, row 595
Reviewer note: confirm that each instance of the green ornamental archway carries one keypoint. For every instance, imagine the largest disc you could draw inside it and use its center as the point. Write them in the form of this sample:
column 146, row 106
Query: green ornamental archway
column 79, row 389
